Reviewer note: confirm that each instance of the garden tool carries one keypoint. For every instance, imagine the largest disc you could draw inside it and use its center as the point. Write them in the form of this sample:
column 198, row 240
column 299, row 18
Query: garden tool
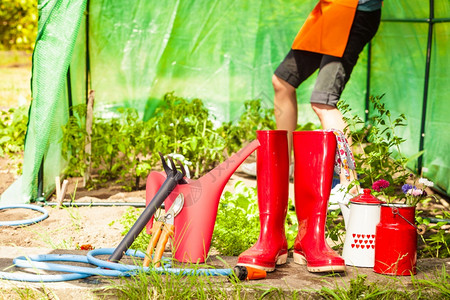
column 173, row 178
column 272, row 167
column 314, row 153
column 361, row 217
column 162, row 230
column 194, row 225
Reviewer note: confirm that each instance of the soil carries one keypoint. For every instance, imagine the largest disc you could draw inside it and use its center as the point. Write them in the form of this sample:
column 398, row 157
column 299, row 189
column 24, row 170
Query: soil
column 70, row 227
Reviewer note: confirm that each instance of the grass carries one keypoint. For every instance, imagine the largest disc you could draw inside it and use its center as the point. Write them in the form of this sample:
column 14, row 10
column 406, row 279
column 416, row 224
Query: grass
column 15, row 58
column 27, row 293
column 15, row 74
column 74, row 223
column 47, row 237
column 155, row 286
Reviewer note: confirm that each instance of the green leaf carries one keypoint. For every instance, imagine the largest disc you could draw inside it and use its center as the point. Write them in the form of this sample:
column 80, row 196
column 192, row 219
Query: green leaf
column 5, row 139
column 109, row 148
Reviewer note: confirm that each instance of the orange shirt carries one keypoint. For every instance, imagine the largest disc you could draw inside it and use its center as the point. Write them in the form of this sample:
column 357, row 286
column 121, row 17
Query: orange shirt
column 327, row 27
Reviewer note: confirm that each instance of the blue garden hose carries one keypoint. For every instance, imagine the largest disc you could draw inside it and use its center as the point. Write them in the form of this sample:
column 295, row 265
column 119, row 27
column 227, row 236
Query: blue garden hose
column 75, row 272
column 33, row 261
column 161, row 270
column 24, row 222
column 104, row 268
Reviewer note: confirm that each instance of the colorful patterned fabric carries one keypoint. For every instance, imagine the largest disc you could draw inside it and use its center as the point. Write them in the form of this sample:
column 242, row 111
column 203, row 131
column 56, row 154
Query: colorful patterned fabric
column 344, row 156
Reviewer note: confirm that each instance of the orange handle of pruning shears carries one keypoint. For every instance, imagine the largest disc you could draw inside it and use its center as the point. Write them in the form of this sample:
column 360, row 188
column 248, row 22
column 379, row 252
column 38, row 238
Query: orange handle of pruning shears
column 156, row 233
column 167, row 231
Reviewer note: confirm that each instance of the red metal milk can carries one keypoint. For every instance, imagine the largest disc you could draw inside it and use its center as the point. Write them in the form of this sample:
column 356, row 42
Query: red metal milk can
column 396, row 240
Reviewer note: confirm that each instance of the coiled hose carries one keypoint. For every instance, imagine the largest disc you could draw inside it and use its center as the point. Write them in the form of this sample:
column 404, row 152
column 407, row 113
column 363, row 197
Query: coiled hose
column 104, row 268
column 24, row 222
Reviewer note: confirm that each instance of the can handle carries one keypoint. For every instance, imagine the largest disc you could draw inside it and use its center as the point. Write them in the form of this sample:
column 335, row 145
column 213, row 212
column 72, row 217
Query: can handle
column 420, row 230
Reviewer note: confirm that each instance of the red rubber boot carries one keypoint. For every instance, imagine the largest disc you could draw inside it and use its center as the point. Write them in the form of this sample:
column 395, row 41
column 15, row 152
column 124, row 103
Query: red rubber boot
column 272, row 176
column 314, row 153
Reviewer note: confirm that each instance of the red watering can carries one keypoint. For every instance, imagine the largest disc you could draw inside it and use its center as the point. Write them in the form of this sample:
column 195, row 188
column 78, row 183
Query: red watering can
column 194, row 225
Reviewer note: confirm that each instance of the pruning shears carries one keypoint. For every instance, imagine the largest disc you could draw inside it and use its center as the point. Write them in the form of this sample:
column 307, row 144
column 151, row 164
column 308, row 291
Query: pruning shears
column 162, row 229
column 174, row 178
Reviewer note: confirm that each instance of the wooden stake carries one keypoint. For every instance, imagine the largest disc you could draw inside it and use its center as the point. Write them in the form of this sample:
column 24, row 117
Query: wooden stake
column 87, row 148
column 58, row 187
column 62, row 193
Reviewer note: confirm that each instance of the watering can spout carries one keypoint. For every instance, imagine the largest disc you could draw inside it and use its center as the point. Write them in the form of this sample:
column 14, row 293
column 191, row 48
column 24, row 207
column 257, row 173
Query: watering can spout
column 345, row 210
column 219, row 176
column 194, row 225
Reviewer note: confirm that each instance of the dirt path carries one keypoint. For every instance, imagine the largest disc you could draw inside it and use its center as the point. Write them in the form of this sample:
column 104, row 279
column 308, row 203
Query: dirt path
column 71, row 227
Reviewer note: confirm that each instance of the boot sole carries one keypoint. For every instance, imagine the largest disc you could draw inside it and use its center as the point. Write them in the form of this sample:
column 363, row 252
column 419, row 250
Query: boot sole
column 301, row 260
column 282, row 259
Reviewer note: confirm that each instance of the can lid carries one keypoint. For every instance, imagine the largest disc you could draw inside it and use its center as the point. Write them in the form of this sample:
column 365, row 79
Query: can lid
column 366, row 197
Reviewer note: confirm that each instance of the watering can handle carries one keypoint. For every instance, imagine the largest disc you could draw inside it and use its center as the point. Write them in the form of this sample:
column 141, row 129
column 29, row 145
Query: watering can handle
column 420, row 230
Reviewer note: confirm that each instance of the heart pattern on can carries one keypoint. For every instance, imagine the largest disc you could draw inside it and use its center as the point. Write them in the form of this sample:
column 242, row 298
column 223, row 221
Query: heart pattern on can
column 363, row 241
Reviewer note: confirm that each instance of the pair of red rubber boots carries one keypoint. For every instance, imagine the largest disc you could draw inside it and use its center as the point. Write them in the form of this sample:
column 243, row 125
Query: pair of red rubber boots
column 314, row 153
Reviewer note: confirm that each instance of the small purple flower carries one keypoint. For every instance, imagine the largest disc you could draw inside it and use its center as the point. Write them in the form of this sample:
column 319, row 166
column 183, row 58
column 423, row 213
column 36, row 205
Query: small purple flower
column 380, row 184
column 406, row 187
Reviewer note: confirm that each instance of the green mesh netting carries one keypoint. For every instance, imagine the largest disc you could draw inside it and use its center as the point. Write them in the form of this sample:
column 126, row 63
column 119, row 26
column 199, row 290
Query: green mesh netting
column 59, row 23
column 399, row 70
column 223, row 52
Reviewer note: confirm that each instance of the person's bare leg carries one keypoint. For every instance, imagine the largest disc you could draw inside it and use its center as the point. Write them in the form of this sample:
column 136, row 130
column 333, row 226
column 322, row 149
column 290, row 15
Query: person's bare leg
column 285, row 106
column 331, row 118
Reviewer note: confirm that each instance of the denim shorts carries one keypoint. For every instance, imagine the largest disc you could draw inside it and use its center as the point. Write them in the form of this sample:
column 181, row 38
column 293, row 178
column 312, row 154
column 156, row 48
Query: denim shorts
column 334, row 72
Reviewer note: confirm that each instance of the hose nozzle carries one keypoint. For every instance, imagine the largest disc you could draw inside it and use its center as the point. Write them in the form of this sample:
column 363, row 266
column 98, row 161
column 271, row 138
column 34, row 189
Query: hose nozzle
column 249, row 273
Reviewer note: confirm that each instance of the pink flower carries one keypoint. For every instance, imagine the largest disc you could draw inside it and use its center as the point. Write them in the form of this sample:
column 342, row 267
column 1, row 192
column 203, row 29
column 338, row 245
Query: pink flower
column 380, row 184
column 415, row 192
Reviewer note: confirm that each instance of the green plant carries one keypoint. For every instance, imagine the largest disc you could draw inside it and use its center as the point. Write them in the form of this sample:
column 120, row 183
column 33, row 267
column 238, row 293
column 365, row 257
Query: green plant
column 106, row 140
column 127, row 221
column 412, row 193
column 291, row 226
column 440, row 242
column 26, row 293
column 13, row 127
column 237, row 223
column 359, row 288
column 307, row 127
column 184, row 127
column 19, row 24
column 335, row 228
column 73, row 141
column 118, row 145
column 374, row 143
column 436, row 242
column 151, row 285
column 415, row 193
column 254, row 117
column 437, row 287
column 126, row 148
